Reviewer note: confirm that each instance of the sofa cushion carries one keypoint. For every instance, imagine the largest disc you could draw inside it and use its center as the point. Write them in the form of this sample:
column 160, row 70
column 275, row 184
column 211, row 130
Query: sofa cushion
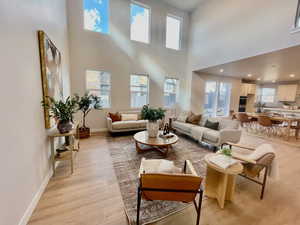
column 212, row 125
column 228, row 124
column 115, row 116
column 129, row 117
column 197, row 132
column 186, row 127
column 193, row 119
column 211, row 135
column 119, row 125
column 183, row 116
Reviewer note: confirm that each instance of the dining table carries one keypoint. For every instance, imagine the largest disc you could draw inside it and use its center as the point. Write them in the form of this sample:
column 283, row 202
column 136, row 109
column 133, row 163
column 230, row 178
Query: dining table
column 290, row 120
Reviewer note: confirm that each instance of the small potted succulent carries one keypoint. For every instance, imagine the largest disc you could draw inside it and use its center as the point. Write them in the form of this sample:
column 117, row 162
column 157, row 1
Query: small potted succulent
column 85, row 104
column 226, row 151
column 62, row 111
column 152, row 115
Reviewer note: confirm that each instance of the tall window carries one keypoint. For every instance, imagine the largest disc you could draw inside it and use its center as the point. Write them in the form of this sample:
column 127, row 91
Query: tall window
column 96, row 15
column 98, row 83
column 173, row 27
column 140, row 23
column 139, row 90
column 268, row 95
column 217, row 98
column 297, row 19
column 170, row 91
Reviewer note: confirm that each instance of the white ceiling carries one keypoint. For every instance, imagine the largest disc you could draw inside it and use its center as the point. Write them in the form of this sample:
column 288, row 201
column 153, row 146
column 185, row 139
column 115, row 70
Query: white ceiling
column 187, row 5
column 271, row 67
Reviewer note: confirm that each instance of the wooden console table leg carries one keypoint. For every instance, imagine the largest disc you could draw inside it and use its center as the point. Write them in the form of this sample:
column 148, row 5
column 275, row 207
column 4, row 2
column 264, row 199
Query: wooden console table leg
column 52, row 155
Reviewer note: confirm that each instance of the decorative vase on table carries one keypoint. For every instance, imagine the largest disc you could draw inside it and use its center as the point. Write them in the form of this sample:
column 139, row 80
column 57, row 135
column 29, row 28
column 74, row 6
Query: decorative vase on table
column 153, row 115
column 152, row 128
column 64, row 126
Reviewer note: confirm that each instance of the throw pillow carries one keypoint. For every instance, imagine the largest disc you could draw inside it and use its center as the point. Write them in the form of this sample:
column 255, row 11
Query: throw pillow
column 212, row 125
column 182, row 116
column 193, row 119
column 115, row 116
column 129, row 117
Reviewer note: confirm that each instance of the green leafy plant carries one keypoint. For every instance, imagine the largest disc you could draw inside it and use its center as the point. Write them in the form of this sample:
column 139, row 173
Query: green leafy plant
column 152, row 114
column 86, row 103
column 226, row 151
column 61, row 110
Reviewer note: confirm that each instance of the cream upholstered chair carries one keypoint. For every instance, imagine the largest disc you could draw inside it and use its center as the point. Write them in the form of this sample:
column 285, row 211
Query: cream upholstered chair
column 183, row 186
column 253, row 168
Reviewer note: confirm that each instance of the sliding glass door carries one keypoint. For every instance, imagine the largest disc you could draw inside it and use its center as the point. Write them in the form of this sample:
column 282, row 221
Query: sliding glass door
column 217, row 98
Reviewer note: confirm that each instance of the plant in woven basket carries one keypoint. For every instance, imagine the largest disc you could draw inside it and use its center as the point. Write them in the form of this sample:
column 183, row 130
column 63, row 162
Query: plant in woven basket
column 62, row 111
column 85, row 104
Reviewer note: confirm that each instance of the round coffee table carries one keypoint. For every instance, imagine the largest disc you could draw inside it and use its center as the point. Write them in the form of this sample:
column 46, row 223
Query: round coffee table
column 158, row 143
column 220, row 183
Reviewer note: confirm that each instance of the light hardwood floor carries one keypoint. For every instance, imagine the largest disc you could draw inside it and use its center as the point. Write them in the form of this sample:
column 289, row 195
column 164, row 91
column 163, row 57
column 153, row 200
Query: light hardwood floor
column 91, row 195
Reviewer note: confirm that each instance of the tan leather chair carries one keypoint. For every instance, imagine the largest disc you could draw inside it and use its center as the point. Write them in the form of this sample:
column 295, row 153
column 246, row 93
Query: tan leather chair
column 182, row 187
column 253, row 169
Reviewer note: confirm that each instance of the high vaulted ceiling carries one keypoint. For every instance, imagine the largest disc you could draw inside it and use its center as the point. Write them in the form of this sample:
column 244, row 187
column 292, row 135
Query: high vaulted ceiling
column 186, row 5
column 281, row 65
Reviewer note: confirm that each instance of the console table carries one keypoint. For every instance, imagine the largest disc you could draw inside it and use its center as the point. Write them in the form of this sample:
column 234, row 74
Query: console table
column 71, row 145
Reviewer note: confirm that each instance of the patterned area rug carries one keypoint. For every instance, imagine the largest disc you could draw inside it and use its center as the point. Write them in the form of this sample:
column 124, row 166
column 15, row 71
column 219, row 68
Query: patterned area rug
column 126, row 162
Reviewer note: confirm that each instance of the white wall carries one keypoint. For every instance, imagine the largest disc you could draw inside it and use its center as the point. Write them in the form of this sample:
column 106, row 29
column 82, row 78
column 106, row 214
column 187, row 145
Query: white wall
column 115, row 53
column 198, row 91
column 225, row 31
column 24, row 161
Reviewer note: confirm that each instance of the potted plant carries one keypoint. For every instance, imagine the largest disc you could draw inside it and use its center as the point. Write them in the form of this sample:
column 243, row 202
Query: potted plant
column 152, row 115
column 259, row 105
column 62, row 111
column 85, row 104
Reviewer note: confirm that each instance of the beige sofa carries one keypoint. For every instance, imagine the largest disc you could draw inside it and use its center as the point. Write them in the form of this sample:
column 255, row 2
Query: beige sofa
column 228, row 131
column 125, row 126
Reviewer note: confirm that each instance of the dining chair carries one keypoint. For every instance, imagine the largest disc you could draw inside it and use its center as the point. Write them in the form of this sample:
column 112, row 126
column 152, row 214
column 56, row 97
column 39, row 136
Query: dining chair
column 267, row 125
column 244, row 120
column 181, row 187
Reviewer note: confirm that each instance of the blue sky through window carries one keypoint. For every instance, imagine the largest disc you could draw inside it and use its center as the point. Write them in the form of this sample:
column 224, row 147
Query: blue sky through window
column 96, row 15
column 140, row 23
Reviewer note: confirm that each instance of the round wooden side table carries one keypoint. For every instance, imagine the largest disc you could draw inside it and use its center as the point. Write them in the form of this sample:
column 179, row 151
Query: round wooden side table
column 220, row 183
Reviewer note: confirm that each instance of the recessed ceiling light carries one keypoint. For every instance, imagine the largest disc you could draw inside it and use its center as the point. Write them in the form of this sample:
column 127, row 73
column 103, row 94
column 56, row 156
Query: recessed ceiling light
column 249, row 75
column 221, row 70
column 258, row 79
column 292, row 75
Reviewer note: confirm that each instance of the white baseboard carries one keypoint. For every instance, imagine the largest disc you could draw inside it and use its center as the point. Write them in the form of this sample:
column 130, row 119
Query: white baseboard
column 35, row 200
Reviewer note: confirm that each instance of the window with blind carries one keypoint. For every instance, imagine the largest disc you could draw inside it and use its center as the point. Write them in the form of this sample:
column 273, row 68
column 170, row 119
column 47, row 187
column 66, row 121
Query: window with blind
column 170, row 91
column 98, row 83
column 139, row 85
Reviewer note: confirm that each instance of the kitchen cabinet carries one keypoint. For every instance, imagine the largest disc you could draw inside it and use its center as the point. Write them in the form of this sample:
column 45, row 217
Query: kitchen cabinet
column 248, row 89
column 287, row 93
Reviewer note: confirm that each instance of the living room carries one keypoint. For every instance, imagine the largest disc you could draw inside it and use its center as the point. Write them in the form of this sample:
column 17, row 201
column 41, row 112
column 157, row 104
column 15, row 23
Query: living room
column 156, row 53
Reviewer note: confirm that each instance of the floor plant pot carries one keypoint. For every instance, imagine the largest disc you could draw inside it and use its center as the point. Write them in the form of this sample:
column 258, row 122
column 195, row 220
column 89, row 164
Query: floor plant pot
column 152, row 128
column 64, row 126
column 84, row 132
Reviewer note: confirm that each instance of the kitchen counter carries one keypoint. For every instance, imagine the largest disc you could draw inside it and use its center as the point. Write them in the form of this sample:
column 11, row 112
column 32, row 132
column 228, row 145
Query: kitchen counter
column 282, row 110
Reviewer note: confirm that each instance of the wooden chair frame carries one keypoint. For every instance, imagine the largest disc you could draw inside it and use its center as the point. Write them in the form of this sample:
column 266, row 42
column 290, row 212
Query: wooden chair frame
column 265, row 168
column 197, row 207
